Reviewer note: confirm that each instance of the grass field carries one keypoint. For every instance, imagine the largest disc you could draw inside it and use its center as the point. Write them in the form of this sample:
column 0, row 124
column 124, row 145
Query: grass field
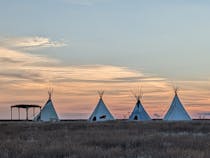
column 120, row 139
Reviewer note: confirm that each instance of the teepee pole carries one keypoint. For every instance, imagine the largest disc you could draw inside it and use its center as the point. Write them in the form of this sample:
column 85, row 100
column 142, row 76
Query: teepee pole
column 100, row 93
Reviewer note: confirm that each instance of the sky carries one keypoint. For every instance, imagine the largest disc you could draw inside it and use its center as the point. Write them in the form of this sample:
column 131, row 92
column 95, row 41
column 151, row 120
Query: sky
column 78, row 47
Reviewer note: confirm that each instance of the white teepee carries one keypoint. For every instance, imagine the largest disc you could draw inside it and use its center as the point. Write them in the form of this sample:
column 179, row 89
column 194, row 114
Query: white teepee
column 176, row 111
column 139, row 113
column 101, row 112
column 48, row 112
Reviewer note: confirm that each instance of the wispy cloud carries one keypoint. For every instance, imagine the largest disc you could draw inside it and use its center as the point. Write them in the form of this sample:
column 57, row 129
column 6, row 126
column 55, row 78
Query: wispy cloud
column 23, row 65
column 10, row 58
column 30, row 42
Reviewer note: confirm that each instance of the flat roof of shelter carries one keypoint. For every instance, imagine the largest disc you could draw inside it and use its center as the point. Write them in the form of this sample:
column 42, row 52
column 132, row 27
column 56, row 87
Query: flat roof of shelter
column 25, row 106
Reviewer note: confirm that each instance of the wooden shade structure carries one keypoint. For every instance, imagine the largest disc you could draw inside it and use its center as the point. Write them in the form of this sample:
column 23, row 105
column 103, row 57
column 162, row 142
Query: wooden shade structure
column 26, row 107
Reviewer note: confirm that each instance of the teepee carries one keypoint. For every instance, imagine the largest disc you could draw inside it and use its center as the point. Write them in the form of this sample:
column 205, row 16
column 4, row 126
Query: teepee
column 48, row 112
column 139, row 113
column 101, row 112
column 176, row 111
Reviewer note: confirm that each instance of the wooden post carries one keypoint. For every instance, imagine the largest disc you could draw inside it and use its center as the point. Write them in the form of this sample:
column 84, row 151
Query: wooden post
column 18, row 113
column 40, row 113
column 27, row 113
column 33, row 111
column 11, row 112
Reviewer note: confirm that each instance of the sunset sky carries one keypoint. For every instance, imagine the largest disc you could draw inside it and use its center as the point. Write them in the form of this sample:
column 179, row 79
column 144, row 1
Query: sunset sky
column 80, row 46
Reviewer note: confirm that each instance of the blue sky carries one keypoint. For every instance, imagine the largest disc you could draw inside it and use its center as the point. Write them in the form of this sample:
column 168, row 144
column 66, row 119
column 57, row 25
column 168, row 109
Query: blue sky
column 164, row 38
column 174, row 33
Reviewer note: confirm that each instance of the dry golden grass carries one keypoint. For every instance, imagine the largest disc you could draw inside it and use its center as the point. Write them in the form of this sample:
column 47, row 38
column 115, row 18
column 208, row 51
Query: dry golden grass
column 118, row 139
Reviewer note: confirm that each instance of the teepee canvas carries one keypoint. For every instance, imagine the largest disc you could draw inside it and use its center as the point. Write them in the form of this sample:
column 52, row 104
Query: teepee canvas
column 177, row 111
column 101, row 112
column 48, row 112
column 139, row 113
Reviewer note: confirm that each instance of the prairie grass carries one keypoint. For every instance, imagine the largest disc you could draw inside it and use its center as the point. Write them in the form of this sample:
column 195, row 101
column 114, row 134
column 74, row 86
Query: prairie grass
column 117, row 139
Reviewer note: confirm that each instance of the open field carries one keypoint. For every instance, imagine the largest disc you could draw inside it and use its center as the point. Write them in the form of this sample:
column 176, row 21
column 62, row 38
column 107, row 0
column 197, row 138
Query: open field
column 119, row 139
